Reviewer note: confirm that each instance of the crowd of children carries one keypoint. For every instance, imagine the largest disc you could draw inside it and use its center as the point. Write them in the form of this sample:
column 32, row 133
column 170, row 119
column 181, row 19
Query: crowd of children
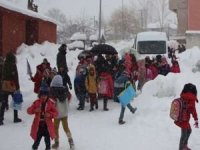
column 103, row 76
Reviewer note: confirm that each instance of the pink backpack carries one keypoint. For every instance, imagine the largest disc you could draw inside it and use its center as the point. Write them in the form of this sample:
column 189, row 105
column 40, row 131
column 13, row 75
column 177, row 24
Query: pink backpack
column 177, row 110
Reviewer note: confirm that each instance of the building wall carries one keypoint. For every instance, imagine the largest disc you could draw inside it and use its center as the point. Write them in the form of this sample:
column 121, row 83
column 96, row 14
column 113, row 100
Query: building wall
column 192, row 39
column 47, row 32
column 13, row 31
column 194, row 15
column 182, row 15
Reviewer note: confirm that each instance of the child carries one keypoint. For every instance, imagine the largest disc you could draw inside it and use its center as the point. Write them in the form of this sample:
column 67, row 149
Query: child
column 80, row 89
column 188, row 98
column 44, row 110
column 59, row 93
column 175, row 67
column 91, row 86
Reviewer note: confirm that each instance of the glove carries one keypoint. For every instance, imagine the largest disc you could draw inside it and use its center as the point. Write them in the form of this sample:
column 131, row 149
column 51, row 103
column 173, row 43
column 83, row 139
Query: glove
column 196, row 124
column 70, row 87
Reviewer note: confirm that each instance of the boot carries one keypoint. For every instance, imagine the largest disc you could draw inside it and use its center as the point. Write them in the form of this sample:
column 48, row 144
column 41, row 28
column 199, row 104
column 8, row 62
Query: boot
column 121, row 122
column 186, row 147
column 55, row 145
column 105, row 101
column 133, row 110
column 71, row 144
column 91, row 107
column 96, row 105
column 16, row 119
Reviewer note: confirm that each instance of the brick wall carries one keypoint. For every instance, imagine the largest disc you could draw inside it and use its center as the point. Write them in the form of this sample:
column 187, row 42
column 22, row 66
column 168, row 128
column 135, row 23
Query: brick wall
column 13, row 34
column 47, row 32
column 194, row 15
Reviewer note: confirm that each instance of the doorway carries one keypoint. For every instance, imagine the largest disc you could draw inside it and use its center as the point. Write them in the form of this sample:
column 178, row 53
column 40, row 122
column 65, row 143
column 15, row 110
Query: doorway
column 31, row 32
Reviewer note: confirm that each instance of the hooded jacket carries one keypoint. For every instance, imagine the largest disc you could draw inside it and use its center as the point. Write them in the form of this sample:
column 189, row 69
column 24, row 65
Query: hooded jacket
column 190, row 100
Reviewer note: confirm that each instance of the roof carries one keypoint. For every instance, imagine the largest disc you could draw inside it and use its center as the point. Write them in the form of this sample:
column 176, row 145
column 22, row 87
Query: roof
column 12, row 7
column 151, row 36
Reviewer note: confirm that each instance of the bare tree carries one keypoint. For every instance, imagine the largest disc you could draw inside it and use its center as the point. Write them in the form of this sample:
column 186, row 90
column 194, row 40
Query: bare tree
column 144, row 10
column 123, row 24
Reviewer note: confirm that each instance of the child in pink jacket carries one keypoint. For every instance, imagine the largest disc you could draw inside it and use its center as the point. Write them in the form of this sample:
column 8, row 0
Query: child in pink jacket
column 44, row 110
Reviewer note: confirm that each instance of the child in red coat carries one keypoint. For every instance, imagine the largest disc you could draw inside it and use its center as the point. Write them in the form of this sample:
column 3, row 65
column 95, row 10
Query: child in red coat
column 175, row 67
column 44, row 110
column 188, row 97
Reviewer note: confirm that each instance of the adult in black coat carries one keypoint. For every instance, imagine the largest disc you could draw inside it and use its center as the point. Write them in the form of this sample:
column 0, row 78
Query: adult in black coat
column 10, row 73
column 61, row 57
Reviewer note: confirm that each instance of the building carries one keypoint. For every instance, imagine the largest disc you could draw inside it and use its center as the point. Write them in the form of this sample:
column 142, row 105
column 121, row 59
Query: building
column 19, row 26
column 187, row 14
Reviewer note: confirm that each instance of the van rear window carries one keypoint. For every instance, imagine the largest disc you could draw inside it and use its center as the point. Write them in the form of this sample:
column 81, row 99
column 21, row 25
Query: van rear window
column 152, row 47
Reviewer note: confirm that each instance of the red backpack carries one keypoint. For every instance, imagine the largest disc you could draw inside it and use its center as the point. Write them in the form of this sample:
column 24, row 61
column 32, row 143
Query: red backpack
column 178, row 110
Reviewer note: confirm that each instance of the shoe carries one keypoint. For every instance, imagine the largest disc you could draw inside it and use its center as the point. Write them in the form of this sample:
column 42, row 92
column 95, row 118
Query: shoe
column 55, row 145
column 91, row 109
column 121, row 122
column 17, row 120
column 80, row 108
column 133, row 110
column 1, row 123
column 186, row 148
column 71, row 144
column 106, row 109
column 96, row 106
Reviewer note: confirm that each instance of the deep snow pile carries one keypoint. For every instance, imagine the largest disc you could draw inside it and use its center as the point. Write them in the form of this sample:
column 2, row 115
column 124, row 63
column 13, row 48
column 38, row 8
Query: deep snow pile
column 149, row 128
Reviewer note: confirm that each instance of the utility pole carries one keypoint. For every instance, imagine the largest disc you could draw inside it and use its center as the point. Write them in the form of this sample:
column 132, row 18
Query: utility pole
column 100, row 21
column 123, row 19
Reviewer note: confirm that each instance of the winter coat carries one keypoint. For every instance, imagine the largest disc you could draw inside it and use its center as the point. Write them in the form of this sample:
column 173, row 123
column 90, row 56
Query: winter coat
column 49, row 108
column 80, row 68
column 79, row 84
column 66, row 79
column 91, row 83
column 190, row 100
column 37, row 81
column 10, row 70
column 1, row 71
column 59, row 94
column 108, row 78
column 175, row 69
column 61, row 59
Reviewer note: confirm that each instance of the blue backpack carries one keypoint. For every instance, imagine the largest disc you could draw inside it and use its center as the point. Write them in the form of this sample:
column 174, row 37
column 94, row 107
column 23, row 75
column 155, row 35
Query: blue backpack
column 17, row 97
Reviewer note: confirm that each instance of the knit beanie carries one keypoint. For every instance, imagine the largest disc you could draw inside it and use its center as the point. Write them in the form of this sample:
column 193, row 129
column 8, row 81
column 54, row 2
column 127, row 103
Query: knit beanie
column 57, row 81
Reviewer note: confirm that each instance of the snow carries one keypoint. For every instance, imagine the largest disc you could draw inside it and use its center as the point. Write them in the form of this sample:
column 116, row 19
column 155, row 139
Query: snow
column 24, row 11
column 78, row 36
column 149, row 128
column 76, row 44
column 193, row 32
column 151, row 36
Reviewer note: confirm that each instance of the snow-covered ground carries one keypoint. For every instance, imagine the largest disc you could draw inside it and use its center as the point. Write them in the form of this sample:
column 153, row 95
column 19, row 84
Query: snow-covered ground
column 149, row 128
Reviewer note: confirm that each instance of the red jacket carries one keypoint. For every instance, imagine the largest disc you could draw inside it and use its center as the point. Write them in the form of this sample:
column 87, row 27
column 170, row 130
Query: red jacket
column 190, row 99
column 175, row 69
column 49, row 108
column 108, row 78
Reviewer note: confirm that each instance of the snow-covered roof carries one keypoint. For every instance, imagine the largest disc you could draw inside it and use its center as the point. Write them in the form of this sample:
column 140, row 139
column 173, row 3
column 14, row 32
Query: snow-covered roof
column 12, row 7
column 193, row 32
column 78, row 36
column 76, row 44
column 151, row 36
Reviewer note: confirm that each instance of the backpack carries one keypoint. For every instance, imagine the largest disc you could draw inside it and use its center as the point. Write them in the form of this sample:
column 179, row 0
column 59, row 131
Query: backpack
column 178, row 110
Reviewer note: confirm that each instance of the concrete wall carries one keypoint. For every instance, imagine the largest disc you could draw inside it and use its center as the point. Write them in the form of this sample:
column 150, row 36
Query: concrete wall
column 192, row 39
